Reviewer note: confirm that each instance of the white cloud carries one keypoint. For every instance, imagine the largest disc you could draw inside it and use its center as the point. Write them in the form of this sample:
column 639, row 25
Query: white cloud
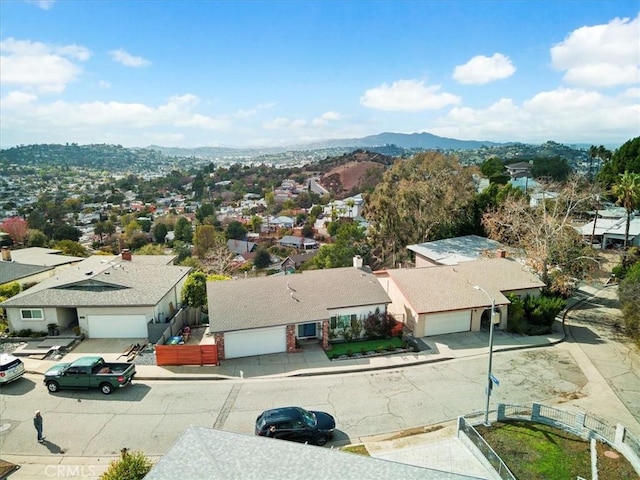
column 575, row 115
column 177, row 112
column 246, row 113
column 600, row 55
column 284, row 123
column 125, row 58
column 43, row 4
column 326, row 118
column 40, row 67
column 407, row 95
column 481, row 69
column 104, row 84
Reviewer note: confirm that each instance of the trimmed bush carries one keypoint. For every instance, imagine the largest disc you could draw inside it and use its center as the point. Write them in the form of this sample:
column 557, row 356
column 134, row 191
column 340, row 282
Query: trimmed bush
column 130, row 466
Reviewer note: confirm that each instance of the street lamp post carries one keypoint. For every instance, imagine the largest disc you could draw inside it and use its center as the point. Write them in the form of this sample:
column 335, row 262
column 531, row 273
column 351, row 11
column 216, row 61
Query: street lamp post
column 489, row 380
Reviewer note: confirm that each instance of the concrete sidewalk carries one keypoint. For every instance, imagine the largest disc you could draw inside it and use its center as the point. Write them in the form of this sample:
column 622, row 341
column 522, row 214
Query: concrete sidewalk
column 312, row 360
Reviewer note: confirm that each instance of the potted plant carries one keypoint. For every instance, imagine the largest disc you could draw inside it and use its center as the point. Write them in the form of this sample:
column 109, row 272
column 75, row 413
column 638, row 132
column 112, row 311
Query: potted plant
column 53, row 329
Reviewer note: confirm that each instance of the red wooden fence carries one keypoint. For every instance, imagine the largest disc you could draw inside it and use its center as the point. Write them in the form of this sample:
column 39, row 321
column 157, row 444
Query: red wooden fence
column 186, row 355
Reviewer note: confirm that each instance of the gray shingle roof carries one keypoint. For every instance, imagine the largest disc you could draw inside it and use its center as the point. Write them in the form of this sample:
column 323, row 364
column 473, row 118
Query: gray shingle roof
column 281, row 300
column 105, row 281
column 445, row 288
column 12, row 271
column 202, row 452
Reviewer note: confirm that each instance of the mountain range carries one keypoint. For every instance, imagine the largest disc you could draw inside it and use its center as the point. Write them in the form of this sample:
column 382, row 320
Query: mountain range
column 408, row 141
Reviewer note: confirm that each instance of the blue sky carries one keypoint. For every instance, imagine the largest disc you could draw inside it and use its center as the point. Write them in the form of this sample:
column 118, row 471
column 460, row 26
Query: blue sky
column 250, row 73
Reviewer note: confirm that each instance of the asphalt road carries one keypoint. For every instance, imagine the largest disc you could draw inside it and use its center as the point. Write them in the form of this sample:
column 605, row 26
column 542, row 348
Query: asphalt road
column 150, row 416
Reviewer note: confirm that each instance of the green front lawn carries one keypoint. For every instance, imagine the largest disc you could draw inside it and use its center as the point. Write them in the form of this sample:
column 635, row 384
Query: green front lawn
column 379, row 345
column 536, row 451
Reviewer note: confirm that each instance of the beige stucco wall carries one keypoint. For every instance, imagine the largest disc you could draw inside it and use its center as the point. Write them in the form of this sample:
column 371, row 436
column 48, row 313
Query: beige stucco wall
column 424, row 262
column 17, row 323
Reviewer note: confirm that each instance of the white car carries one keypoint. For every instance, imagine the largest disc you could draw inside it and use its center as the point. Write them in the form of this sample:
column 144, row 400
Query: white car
column 11, row 368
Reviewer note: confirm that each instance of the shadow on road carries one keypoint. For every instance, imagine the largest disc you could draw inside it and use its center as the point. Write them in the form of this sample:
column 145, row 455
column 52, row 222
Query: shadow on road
column 53, row 448
column 18, row 387
column 131, row 393
column 584, row 335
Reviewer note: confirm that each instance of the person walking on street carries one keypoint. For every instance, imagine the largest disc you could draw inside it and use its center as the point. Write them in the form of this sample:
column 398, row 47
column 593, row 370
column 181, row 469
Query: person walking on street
column 37, row 422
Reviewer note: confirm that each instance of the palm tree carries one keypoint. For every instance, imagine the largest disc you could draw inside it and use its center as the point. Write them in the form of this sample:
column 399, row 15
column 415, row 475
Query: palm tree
column 627, row 189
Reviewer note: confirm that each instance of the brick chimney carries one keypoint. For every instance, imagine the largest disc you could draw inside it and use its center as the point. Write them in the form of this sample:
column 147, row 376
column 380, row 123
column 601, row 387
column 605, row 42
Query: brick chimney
column 6, row 254
column 126, row 254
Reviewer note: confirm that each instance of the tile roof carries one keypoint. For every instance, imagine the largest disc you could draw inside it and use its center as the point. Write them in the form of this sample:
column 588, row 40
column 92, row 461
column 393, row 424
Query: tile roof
column 105, row 281
column 202, row 452
column 445, row 288
column 282, row 300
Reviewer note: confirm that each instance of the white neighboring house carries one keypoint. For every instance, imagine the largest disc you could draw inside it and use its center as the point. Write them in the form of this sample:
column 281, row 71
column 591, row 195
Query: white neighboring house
column 106, row 296
column 610, row 232
column 348, row 208
column 452, row 251
column 442, row 299
column 536, row 198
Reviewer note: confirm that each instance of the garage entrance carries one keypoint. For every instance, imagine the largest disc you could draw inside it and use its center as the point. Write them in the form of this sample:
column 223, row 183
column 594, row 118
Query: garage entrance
column 447, row 322
column 117, row 326
column 261, row 341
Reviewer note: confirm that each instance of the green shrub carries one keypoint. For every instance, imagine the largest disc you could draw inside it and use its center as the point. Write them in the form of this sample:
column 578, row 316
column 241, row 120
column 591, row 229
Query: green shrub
column 349, row 353
column 130, row 466
column 380, row 348
column 516, row 322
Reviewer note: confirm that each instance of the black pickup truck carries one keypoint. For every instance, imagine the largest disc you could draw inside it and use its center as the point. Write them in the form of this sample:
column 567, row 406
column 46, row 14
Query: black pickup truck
column 89, row 372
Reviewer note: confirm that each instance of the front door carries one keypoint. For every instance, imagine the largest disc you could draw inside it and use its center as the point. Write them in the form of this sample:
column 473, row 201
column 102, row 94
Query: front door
column 307, row 330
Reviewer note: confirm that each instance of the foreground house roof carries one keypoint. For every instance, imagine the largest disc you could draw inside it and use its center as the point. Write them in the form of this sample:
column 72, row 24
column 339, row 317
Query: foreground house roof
column 105, row 281
column 445, row 288
column 202, row 452
column 281, row 300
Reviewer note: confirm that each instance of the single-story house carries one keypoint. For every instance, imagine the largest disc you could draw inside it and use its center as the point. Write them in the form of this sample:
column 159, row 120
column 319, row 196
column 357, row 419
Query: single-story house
column 442, row 299
column 274, row 223
column 106, row 296
column 301, row 243
column 292, row 262
column 536, row 198
column 202, row 452
column 240, row 246
column 257, row 316
column 610, row 232
column 452, row 251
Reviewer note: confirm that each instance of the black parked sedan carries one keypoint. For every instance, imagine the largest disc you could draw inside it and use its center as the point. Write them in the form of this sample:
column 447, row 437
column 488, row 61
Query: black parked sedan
column 296, row 424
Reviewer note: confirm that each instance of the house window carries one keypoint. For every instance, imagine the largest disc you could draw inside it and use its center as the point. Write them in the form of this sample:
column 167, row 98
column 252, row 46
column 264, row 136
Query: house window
column 333, row 323
column 32, row 314
column 354, row 321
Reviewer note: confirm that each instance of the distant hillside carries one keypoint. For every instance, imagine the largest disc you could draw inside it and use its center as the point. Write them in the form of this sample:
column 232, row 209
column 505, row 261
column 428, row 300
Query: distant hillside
column 354, row 172
column 422, row 140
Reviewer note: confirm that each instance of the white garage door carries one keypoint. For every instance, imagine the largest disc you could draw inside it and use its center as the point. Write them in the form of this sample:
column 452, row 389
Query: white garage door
column 449, row 322
column 247, row 343
column 117, row 326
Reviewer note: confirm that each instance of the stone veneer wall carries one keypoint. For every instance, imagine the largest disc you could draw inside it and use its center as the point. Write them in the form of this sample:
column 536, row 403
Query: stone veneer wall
column 220, row 343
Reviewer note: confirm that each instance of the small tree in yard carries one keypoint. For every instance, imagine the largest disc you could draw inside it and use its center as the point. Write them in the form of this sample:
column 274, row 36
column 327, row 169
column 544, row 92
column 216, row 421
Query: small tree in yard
column 130, row 466
column 194, row 291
